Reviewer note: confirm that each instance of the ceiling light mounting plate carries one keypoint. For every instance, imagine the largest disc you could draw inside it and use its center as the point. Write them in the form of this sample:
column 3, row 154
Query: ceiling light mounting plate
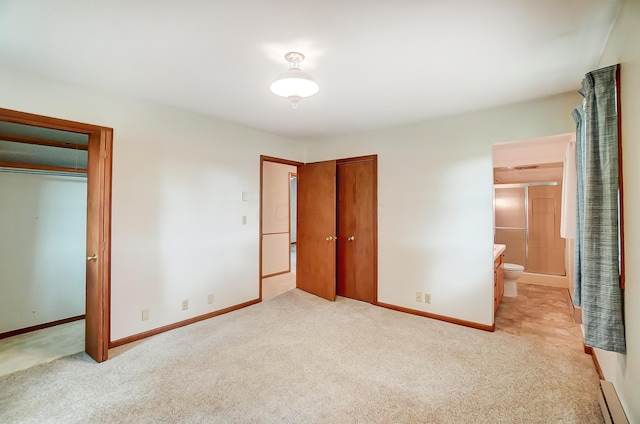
column 294, row 57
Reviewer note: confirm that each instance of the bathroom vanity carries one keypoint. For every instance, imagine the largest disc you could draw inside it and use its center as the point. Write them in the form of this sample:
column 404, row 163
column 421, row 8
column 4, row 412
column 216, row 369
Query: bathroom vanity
column 498, row 274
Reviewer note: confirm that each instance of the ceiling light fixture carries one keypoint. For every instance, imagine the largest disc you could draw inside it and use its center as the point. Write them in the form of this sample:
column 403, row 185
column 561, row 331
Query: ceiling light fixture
column 294, row 84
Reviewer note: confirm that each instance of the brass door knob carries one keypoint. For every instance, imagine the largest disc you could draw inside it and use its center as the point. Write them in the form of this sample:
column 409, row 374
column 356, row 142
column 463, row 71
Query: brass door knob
column 93, row 258
column 351, row 238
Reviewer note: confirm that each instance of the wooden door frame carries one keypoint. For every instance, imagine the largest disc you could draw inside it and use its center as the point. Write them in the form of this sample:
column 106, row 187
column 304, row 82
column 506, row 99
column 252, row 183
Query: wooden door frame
column 95, row 132
column 264, row 159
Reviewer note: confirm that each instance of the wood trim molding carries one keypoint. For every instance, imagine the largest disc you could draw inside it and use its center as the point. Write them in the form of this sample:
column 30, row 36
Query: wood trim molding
column 43, row 142
column 280, row 272
column 50, row 168
column 264, row 158
column 107, row 188
column 589, row 351
column 40, row 326
column 439, row 317
column 275, row 234
column 576, row 313
column 47, row 122
column 358, row 159
column 179, row 324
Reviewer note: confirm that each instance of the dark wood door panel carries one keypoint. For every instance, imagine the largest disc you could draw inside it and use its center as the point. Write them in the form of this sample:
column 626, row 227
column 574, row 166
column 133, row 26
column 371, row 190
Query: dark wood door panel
column 357, row 216
column 316, row 243
column 346, row 229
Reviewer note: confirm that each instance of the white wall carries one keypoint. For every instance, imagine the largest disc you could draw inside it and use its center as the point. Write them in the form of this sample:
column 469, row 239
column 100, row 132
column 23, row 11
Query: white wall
column 435, row 186
column 42, row 249
column 537, row 150
column 622, row 47
column 177, row 206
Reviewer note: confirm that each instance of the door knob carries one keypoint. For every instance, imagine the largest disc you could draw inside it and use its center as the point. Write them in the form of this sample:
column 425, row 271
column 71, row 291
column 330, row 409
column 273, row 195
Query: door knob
column 351, row 238
column 328, row 238
column 334, row 238
column 93, row 258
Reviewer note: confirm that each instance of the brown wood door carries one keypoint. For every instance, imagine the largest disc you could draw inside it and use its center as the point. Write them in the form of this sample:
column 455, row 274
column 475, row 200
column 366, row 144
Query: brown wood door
column 546, row 247
column 316, row 245
column 98, row 188
column 357, row 230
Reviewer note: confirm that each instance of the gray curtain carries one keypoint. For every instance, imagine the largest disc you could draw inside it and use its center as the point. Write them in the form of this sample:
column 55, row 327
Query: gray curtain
column 578, row 116
column 599, row 293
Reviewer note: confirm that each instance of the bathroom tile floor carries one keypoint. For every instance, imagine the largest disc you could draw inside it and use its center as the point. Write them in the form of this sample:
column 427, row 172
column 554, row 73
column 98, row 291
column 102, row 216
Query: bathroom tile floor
column 273, row 286
column 540, row 313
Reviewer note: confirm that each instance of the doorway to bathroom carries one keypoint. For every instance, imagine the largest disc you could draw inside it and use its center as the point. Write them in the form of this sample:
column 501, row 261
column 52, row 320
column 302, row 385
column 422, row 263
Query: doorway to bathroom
column 278, row 216
column 527, row 208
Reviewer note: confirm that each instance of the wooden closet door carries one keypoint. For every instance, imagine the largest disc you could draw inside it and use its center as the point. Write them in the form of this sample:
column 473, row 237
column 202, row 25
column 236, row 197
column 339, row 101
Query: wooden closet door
column 316, row 241
column 346, row 273
column 357, row 229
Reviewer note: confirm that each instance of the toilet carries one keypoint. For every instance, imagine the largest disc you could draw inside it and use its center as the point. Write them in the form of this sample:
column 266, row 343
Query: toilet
column 511, row 273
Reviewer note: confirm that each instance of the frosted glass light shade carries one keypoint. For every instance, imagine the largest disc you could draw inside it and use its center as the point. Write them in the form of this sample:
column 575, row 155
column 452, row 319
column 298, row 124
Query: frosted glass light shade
column 294, row 83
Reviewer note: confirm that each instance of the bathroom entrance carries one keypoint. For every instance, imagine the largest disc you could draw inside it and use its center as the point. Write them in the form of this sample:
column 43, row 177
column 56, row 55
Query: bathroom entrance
column 528, row 197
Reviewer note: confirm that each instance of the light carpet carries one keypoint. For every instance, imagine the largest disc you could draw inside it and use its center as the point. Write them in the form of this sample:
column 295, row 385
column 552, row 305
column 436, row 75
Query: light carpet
column 300, row 359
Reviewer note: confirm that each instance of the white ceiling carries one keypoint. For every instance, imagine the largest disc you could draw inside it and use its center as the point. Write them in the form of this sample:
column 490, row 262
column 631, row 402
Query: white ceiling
column 378, row 62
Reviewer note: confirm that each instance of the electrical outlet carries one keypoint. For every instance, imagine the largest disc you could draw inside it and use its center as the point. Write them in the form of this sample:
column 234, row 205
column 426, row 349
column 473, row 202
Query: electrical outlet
column 427, row 298
column 185, row 305
column 145, row 315
column 418, row 297
column 210, row 299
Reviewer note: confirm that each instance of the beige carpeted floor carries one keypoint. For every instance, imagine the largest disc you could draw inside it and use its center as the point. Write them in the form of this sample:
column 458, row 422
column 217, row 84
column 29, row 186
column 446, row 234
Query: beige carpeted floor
column 299, row 359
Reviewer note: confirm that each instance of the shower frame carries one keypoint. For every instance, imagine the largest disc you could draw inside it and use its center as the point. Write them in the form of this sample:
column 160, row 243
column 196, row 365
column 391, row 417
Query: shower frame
column 525, row 186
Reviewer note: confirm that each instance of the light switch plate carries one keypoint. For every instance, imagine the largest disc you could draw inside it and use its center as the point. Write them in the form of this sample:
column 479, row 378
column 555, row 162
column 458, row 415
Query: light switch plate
column 245, row 196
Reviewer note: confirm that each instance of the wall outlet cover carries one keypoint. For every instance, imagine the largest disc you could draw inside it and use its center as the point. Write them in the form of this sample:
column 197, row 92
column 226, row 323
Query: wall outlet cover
column 185, row 305
column 418, row 297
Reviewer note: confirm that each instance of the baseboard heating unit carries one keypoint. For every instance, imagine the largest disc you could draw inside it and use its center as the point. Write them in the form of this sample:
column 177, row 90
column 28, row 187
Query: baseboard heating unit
column 610, row 404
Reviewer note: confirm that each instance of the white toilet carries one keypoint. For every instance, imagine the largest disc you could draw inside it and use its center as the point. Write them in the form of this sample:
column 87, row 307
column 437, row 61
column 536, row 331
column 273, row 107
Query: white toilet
column 511, row 273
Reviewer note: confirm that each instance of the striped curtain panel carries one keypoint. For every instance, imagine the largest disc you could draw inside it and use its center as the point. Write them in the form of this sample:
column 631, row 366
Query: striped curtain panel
column 578, row 116
column 598, row 289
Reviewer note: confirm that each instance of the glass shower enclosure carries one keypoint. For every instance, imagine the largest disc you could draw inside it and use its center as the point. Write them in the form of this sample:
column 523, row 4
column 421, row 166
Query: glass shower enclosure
column 527, row 221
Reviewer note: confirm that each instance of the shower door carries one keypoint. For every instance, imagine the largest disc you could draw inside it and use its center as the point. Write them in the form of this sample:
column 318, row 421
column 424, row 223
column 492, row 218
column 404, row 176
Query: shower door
column 527, row 221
